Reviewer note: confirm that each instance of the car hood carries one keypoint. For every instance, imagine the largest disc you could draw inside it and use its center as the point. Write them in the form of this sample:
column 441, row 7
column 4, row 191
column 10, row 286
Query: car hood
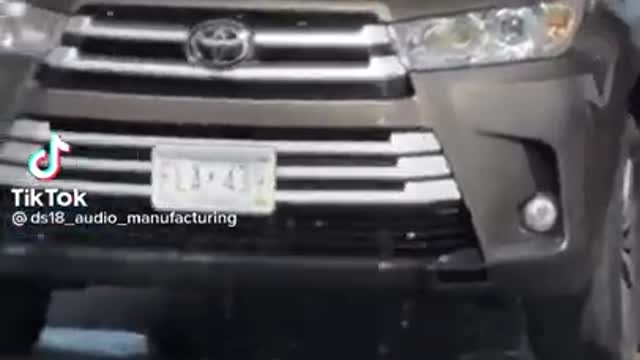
column 387, row 10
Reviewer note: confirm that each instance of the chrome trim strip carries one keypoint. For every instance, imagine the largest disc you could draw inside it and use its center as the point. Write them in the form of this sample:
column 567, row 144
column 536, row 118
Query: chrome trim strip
column 367, row 37
column 408, row 168
column 18, row 176
column 85, row 26
column 415, row 193
column 381, row 68
column 399, row 144
column 17, row 152
column 29, row 130
column 132, row 166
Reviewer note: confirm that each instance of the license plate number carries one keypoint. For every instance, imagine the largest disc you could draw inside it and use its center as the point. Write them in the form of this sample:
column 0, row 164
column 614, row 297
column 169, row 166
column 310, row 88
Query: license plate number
column 217, row 178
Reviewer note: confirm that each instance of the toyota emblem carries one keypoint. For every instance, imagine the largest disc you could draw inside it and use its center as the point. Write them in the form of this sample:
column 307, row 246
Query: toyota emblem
column 219, row 44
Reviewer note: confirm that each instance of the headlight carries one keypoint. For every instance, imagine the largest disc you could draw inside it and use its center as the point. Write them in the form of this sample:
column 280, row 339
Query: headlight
column 492, row 36
column 25, row 29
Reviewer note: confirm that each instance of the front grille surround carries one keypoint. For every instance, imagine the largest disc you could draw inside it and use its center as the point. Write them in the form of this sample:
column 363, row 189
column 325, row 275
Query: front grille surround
column 342, row 190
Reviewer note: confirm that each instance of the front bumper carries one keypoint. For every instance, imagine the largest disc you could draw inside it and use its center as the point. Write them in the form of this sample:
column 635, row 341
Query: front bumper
column 508, row 132
column 123, row 266
column 493, row 121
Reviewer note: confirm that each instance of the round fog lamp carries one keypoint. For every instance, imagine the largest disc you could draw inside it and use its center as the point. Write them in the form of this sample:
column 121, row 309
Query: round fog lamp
column 540, row 213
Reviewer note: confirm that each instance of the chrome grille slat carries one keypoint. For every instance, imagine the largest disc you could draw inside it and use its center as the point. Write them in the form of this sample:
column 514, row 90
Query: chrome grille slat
column 85, row 26
column 415, row 193
column 378, row 69
column 12, row 175
column 368, row 36
column 400, row 143
column 408, row 168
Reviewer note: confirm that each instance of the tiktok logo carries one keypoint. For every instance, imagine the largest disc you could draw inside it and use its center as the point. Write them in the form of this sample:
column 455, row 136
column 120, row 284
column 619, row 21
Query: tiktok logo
column 51, row 158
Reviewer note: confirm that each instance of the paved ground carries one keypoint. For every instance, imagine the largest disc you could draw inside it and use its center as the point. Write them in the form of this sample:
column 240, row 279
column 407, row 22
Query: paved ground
column 101, row 324
column 106, row 308
column 78, row 344
column 104, row 324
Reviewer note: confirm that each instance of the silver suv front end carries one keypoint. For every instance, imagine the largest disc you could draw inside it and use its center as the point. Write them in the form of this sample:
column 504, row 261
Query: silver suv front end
column 409, row 135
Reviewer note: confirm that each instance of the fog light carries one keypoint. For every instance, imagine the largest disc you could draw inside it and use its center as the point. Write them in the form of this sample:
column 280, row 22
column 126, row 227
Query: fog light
column 540, row 213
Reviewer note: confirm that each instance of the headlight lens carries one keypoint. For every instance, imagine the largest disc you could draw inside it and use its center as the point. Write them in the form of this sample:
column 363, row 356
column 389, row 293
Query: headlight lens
column 492, row 36
column 25, row 29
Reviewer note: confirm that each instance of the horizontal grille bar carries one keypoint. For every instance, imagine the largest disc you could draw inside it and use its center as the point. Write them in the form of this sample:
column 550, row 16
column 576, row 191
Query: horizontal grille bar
column 399, row 143
column 378, row 69
column 407, row 168
column 414, row 193
column 368, row 36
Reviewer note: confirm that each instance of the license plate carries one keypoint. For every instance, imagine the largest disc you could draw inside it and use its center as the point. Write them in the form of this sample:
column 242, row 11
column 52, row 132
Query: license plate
column 218, row 178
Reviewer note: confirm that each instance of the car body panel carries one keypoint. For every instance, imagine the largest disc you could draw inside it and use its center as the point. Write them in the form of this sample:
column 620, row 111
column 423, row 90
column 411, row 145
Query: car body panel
column 386, row 10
